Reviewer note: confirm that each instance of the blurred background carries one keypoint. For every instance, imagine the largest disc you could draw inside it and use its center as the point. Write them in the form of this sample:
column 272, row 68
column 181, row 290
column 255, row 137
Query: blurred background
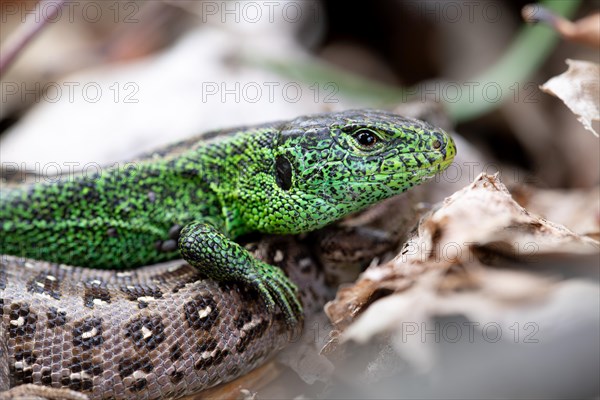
column 103, row 81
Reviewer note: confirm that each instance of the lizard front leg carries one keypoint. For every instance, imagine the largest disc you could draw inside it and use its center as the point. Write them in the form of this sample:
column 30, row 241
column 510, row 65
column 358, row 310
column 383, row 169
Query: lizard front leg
column 222, row 259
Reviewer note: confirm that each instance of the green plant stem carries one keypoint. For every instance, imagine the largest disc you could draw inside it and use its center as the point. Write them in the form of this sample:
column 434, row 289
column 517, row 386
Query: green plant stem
column 529, row 50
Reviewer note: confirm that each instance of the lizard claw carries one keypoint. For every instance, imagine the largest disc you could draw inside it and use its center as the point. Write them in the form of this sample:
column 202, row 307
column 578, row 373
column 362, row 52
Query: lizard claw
column 276, row 289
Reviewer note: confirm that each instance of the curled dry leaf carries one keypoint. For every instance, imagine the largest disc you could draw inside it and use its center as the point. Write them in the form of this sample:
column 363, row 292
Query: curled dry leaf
column 442, row 270
column 579, row 89
column 577, row 209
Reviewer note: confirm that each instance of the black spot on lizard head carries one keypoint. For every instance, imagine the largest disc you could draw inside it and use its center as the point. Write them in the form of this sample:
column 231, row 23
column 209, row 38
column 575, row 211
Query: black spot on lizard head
column 326, row 166
column 284, row 172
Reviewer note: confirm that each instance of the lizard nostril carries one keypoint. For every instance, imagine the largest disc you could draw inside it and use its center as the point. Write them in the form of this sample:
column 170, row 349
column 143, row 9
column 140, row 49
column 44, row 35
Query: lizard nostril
column 437, row 144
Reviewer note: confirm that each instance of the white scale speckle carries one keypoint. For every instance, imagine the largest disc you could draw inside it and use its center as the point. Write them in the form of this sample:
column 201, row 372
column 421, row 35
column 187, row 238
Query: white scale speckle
column 80, row 375
column 29, row 265
column 87, row 335
column 22, row 365
column 63, row 266
column 98, row 302
column 131, row 287
column 146, row 299
column 18, row 322
column 139, row 374
column 278, row 256
column 249, row 325
column 96, row 282
column 51, row 278
column 146, row 332
column 40, row 284
column 208, row 354
column 123, row 274
column 305, row 262
column 205, row 312
column 174, row 268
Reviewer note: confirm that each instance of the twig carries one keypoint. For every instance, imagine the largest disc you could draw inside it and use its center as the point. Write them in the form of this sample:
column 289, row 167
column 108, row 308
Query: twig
column 26, row 32
column 585, row 30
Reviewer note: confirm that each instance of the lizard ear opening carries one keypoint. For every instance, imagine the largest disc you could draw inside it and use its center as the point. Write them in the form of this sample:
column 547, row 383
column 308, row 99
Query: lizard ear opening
column 283, row 172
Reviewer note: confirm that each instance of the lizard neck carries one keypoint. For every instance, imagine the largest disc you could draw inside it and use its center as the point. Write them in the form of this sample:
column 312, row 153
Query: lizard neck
column 230, row 172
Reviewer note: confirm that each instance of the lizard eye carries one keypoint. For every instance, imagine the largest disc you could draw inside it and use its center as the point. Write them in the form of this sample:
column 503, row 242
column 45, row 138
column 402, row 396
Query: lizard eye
column 365, row 137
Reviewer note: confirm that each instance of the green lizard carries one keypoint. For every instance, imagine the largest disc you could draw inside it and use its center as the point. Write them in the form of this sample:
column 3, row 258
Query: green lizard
column 193, row 198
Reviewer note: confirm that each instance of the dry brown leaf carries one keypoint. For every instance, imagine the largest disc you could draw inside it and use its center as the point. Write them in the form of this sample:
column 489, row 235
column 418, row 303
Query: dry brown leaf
column 579, row 89
column 441, row 269
column 577, row 209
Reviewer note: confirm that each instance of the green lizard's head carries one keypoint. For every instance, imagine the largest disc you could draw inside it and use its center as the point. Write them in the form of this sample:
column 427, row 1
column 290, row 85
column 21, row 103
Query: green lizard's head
column 327, row 166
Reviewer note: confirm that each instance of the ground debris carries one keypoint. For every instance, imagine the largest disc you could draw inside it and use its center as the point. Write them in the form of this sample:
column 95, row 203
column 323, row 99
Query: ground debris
column 476, row 255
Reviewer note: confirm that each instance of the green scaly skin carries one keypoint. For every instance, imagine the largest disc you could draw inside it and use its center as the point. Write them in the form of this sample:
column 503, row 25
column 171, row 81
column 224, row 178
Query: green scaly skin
column 283, row 177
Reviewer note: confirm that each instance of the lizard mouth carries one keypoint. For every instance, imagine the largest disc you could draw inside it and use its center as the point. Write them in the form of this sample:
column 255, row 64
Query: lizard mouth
column 444, row 153
column 436, row 161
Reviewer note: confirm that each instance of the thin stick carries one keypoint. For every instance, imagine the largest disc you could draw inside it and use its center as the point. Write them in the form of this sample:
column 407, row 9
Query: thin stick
column 19, row 39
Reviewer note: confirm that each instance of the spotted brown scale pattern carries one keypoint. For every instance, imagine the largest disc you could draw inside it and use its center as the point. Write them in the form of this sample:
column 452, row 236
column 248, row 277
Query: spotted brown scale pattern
column 143, row 294
column 202, row 312
column 95, row 293
column 23, row 321
column 81, row 373
column 56, row 317
column 45, row 283
column 87, row 333
column 22, row 368
column 146, row 332
column 185, row 341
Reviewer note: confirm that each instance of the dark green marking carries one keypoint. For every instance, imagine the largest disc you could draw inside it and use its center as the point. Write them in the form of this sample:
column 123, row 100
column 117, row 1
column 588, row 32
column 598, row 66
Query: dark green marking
column 192, row 198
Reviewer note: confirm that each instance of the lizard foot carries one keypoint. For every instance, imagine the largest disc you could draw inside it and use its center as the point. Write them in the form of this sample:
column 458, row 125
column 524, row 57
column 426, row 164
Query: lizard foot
column 207, row 249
